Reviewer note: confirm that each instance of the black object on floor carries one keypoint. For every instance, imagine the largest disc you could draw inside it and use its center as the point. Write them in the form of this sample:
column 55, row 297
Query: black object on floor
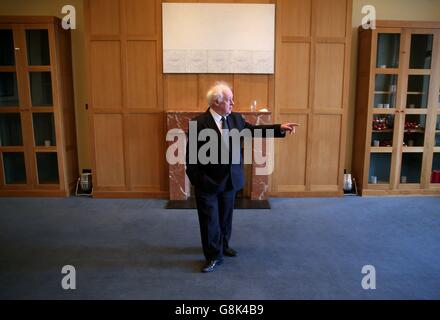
column 240, row 203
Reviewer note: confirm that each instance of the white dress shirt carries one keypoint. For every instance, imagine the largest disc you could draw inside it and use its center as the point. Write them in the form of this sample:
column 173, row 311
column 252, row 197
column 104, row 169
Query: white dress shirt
column 217, row 119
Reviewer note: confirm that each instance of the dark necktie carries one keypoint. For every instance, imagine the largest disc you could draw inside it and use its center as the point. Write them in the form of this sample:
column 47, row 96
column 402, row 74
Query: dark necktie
column 224, row 123
column 225, row 135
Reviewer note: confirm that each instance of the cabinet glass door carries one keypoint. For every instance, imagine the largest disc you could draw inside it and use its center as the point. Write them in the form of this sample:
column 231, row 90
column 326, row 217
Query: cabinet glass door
column 421, row 51
column 7, row 57
column 388, row 49
column 415, row 107
column 380, row 168
column 47, row 167
column 418, row 91
column 386, row 78
column 41, row 89
column 382, row 131
column 437, row 132
column 8, row 76
column 14, row 168
column 38, row 58
column 435, row 172
column 8, row 89
column 41, row 93
column 414, row 130
column 385, row 91
column 37, row 42
column 12, row 155
column 10, row 130
column 44, row 129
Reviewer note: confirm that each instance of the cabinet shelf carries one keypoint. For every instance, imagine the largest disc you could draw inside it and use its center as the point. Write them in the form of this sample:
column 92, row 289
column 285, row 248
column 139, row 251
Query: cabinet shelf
column 377, row 110
column 45, row 149
column 413, row 149
column 379, row 131
column 381, row 149
column 386, row 71
column 11, row 149
column 383, row 92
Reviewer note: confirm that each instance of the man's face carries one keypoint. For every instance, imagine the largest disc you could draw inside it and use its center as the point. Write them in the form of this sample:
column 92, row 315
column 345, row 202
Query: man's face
column 225, row 107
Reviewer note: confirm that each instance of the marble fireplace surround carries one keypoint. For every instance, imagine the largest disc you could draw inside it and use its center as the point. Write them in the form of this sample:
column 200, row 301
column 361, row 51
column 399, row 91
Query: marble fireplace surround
column 179, row 182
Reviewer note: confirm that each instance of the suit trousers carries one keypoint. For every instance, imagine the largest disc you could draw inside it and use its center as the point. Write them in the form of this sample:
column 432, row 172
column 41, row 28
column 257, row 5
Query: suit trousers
column 215, row 218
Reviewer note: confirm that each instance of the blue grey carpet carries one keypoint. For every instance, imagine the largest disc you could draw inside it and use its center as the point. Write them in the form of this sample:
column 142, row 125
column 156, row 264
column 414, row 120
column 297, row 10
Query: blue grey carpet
column 300, row 249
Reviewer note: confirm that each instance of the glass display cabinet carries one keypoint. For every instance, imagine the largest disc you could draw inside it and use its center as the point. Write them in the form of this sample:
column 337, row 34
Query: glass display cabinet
column 37, row 122
column 397, row 140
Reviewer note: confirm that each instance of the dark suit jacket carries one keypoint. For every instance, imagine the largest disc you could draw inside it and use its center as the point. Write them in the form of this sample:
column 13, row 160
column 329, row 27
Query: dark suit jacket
column 212, row 177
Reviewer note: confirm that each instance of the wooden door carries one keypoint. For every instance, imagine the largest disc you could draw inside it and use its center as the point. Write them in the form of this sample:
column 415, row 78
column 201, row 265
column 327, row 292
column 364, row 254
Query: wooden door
column 332, row 25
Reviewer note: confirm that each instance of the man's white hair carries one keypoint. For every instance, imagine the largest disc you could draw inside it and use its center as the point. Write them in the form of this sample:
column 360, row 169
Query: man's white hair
column 217, row 92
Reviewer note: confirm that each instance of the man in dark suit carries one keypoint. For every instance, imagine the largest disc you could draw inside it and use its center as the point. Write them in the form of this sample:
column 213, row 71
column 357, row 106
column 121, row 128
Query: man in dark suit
column 217, row 181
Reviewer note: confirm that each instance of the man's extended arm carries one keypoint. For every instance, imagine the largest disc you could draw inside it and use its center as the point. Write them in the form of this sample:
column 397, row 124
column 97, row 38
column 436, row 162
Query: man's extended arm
column 277, row 132
column 279, row 129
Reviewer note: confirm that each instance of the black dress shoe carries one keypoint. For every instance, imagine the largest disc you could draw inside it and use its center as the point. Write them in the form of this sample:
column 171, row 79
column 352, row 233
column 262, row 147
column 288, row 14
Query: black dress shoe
column 210, row 265
column 230, row 252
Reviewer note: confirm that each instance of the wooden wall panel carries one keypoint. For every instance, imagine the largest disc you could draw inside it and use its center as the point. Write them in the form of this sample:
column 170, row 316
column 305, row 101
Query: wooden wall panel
column 180, row 92
column 311, row 85
column 290, row 173
column 249, row 88
column 109, row 151
column 331, row 18
column 105, row 64
column 296, row 18
column 329, row 75
column 126, row 96
column 104, row 16
column 145, row 150
column 325, row 152
column 141, row 17
column 141, row 75
column 292, row 76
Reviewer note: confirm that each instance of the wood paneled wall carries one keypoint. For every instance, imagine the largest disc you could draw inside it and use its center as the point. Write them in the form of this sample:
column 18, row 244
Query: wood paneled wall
column 129, row 95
